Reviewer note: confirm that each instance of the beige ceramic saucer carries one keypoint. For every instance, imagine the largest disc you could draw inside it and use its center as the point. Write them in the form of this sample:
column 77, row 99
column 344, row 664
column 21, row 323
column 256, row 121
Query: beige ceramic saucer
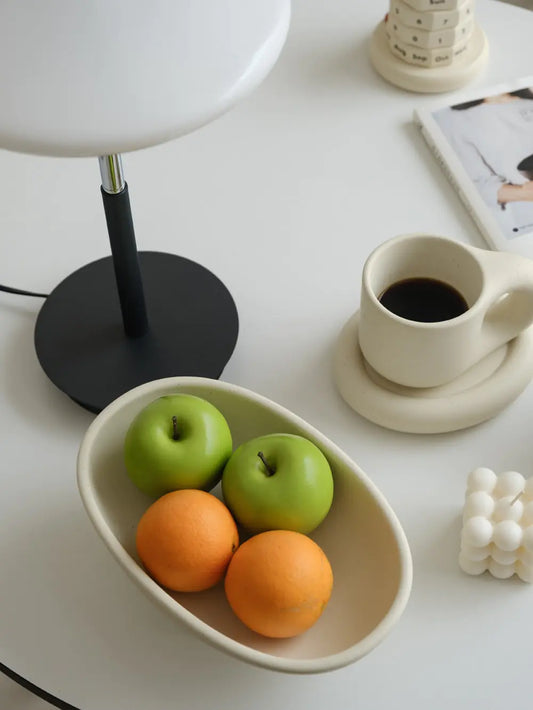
column 479, row 394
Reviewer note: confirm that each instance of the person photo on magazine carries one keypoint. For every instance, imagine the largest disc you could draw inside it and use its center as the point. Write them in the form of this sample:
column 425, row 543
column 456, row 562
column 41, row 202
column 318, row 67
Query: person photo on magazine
column 493, row 139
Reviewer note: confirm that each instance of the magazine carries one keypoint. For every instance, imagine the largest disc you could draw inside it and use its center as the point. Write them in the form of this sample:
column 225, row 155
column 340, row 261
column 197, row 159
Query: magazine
column 485, row 146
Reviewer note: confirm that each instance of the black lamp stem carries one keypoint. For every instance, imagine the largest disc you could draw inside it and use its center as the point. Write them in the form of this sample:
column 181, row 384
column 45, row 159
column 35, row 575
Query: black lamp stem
column 89, row 342
column 123, row 247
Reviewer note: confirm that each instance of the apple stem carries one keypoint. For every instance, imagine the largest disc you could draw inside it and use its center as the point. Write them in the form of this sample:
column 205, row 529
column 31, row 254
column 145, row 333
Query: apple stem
column 269, row 468
column 175, row 428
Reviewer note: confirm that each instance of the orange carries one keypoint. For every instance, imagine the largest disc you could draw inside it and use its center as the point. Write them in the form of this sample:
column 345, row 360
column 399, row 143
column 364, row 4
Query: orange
column 278, row 583
column 186, row 539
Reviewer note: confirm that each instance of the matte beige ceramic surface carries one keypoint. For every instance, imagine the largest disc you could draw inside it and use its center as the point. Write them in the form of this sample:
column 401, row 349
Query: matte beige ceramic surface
column 361, row 536
column 477, row 395
column 497, row 286
column 424, row 79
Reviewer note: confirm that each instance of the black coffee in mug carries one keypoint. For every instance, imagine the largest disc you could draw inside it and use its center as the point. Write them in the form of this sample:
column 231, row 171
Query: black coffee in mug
column 422, row 299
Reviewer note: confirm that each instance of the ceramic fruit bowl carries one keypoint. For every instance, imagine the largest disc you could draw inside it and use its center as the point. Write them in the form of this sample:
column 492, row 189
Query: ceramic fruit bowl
column 361, row 536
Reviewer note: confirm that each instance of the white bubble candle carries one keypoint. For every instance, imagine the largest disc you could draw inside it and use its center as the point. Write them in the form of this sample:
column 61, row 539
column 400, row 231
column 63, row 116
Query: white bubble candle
column 497, row 532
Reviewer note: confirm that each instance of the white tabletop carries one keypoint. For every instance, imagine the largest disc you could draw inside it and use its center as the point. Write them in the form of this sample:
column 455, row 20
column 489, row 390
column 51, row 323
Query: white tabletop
column 283, row 198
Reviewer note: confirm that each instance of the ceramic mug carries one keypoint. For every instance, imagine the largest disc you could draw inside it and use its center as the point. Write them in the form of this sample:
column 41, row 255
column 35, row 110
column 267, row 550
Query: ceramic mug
column 497, row 288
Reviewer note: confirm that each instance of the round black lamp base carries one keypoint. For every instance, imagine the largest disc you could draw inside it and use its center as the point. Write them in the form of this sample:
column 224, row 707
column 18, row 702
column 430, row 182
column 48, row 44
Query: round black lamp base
column 81, row 343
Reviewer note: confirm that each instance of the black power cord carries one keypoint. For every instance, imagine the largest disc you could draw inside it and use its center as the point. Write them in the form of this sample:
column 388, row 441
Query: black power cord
column 43, row 694
column 20, row 292
column 28, row 685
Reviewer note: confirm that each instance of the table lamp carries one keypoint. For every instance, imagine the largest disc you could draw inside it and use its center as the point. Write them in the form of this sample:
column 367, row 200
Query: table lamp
column 99, row 79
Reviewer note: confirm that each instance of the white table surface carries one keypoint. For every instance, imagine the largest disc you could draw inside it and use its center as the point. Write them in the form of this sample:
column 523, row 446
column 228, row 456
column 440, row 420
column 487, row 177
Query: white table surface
column 283, row 198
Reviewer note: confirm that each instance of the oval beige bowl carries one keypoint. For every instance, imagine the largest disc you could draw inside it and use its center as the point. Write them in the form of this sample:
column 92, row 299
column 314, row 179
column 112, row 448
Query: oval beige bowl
column 361, row 536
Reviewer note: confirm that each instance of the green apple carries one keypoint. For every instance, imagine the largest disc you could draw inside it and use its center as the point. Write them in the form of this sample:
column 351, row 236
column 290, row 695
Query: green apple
column 278, row 481
column 177, row 441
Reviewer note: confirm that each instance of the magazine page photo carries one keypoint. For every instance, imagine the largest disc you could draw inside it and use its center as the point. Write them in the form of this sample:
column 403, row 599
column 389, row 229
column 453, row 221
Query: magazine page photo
column 492, row 137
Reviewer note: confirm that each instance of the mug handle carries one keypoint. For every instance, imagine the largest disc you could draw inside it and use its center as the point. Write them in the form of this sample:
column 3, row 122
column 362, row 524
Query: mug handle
column 508, row 302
